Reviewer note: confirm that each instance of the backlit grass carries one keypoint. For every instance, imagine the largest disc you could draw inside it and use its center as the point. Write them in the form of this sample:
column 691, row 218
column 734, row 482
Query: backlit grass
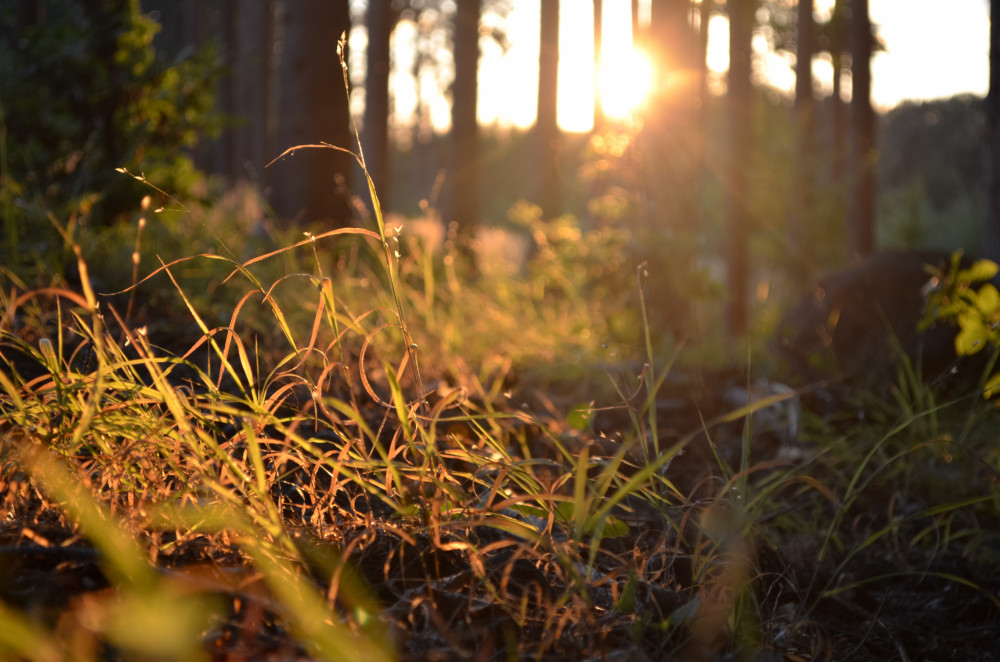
column 368, row 451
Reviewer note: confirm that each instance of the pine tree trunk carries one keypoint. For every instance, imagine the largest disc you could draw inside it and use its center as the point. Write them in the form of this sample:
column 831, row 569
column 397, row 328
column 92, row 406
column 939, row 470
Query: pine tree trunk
column 465, row 134
column 546, row 126
column 863, row 153
column 741, row 20
column 312, row 107
column 598, row 50
column 252, row 88
column 837, row 29
column 380, row 20
column 802, row 197
column 992, row 238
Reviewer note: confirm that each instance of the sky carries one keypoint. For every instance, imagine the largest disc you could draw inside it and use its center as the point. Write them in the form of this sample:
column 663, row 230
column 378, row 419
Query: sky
column 934, row 49
column 932, row 52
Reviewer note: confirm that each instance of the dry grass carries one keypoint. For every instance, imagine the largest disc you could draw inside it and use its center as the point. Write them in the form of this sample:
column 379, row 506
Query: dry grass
column 371, row 455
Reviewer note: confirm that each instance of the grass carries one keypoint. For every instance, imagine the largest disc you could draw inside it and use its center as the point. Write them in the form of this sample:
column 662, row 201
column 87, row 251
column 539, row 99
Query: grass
column 358, row 451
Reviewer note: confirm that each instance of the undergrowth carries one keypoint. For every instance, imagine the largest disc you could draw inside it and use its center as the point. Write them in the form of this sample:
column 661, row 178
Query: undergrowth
column 350, row 460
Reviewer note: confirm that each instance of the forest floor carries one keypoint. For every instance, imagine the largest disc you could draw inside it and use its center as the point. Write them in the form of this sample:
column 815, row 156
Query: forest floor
column 498, row 523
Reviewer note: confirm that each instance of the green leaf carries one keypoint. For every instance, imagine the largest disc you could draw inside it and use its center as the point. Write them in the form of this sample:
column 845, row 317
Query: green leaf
column 992, row 386
column 626, row 603
column 613, row 528
column 988, row 299
column 566, row 512
column 160, row 624
column 685, row 613
column 579, row 417
column 972, row 335
column 980, row 270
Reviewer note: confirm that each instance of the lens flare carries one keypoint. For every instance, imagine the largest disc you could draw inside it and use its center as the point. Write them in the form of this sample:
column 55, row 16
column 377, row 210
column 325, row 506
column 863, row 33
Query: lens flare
column 625, row 81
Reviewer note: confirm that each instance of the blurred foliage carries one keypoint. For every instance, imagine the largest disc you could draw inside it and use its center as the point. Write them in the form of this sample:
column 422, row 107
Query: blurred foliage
column 82, row 93
column 572, row 259
column 232, row 224
column 966, row 297
column 931, row 174
column 102, row 98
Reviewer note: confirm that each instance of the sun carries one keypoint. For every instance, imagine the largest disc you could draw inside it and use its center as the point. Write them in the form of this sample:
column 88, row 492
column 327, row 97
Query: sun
column 624, row 75
column 624, row 82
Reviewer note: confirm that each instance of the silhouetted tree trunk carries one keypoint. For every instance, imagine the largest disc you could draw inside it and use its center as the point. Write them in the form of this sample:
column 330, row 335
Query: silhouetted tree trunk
column 803, row 198
column 598, row 46
column 740, row 98
column 704, row 16
column 465, row 134
column 252, row 88
column 671, row 126
column 546, row 126
column 671, row 164
column 863, row 147
column 431, row 154
column 312, row 106
column 992, row 238
column 671, row 36
column 30, row 13
column 700, row 129
column 380, row 20
column 836, row 33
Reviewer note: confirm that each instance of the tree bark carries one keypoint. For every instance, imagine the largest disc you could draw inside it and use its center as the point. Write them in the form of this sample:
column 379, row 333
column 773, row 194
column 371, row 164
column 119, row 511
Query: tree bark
column 30, row 13
column 670, row 127
column 837, row 28
column 671, row 37
column 598, row 50
column 380, row 20
column 803, row 198
column 312, row 184
column 741, row 20
column 992, row 238
column 546, row 125
column 465, row 134
column 701, row 65
column 252, row 79
column 863, row 152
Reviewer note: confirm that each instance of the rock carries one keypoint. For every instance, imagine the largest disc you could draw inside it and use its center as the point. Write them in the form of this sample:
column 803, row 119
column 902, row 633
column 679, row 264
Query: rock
column 857, row 324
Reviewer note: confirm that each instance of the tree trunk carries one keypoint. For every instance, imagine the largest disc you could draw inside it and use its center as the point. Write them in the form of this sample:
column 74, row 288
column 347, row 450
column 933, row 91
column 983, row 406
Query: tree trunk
column 670, row 167
column 863, row 152
column 669, row 134
column 465, row 134
column 312, row 107
column 30, row 13
column 671, row 37
column 838, row 110
column 803, row 198
column 598, row 50
column 992, row 238
column 836, row 30
column 430, row 153
column 701, row 65
column 546, row 126
column 252, row 79
column 380, row 20
column 740, row 97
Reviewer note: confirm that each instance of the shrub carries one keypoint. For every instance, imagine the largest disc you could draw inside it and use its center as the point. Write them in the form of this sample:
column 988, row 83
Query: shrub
column 82, row 92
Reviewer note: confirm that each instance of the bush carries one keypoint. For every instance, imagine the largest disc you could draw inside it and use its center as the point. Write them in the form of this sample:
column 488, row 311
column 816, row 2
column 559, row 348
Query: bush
column 81, row 94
